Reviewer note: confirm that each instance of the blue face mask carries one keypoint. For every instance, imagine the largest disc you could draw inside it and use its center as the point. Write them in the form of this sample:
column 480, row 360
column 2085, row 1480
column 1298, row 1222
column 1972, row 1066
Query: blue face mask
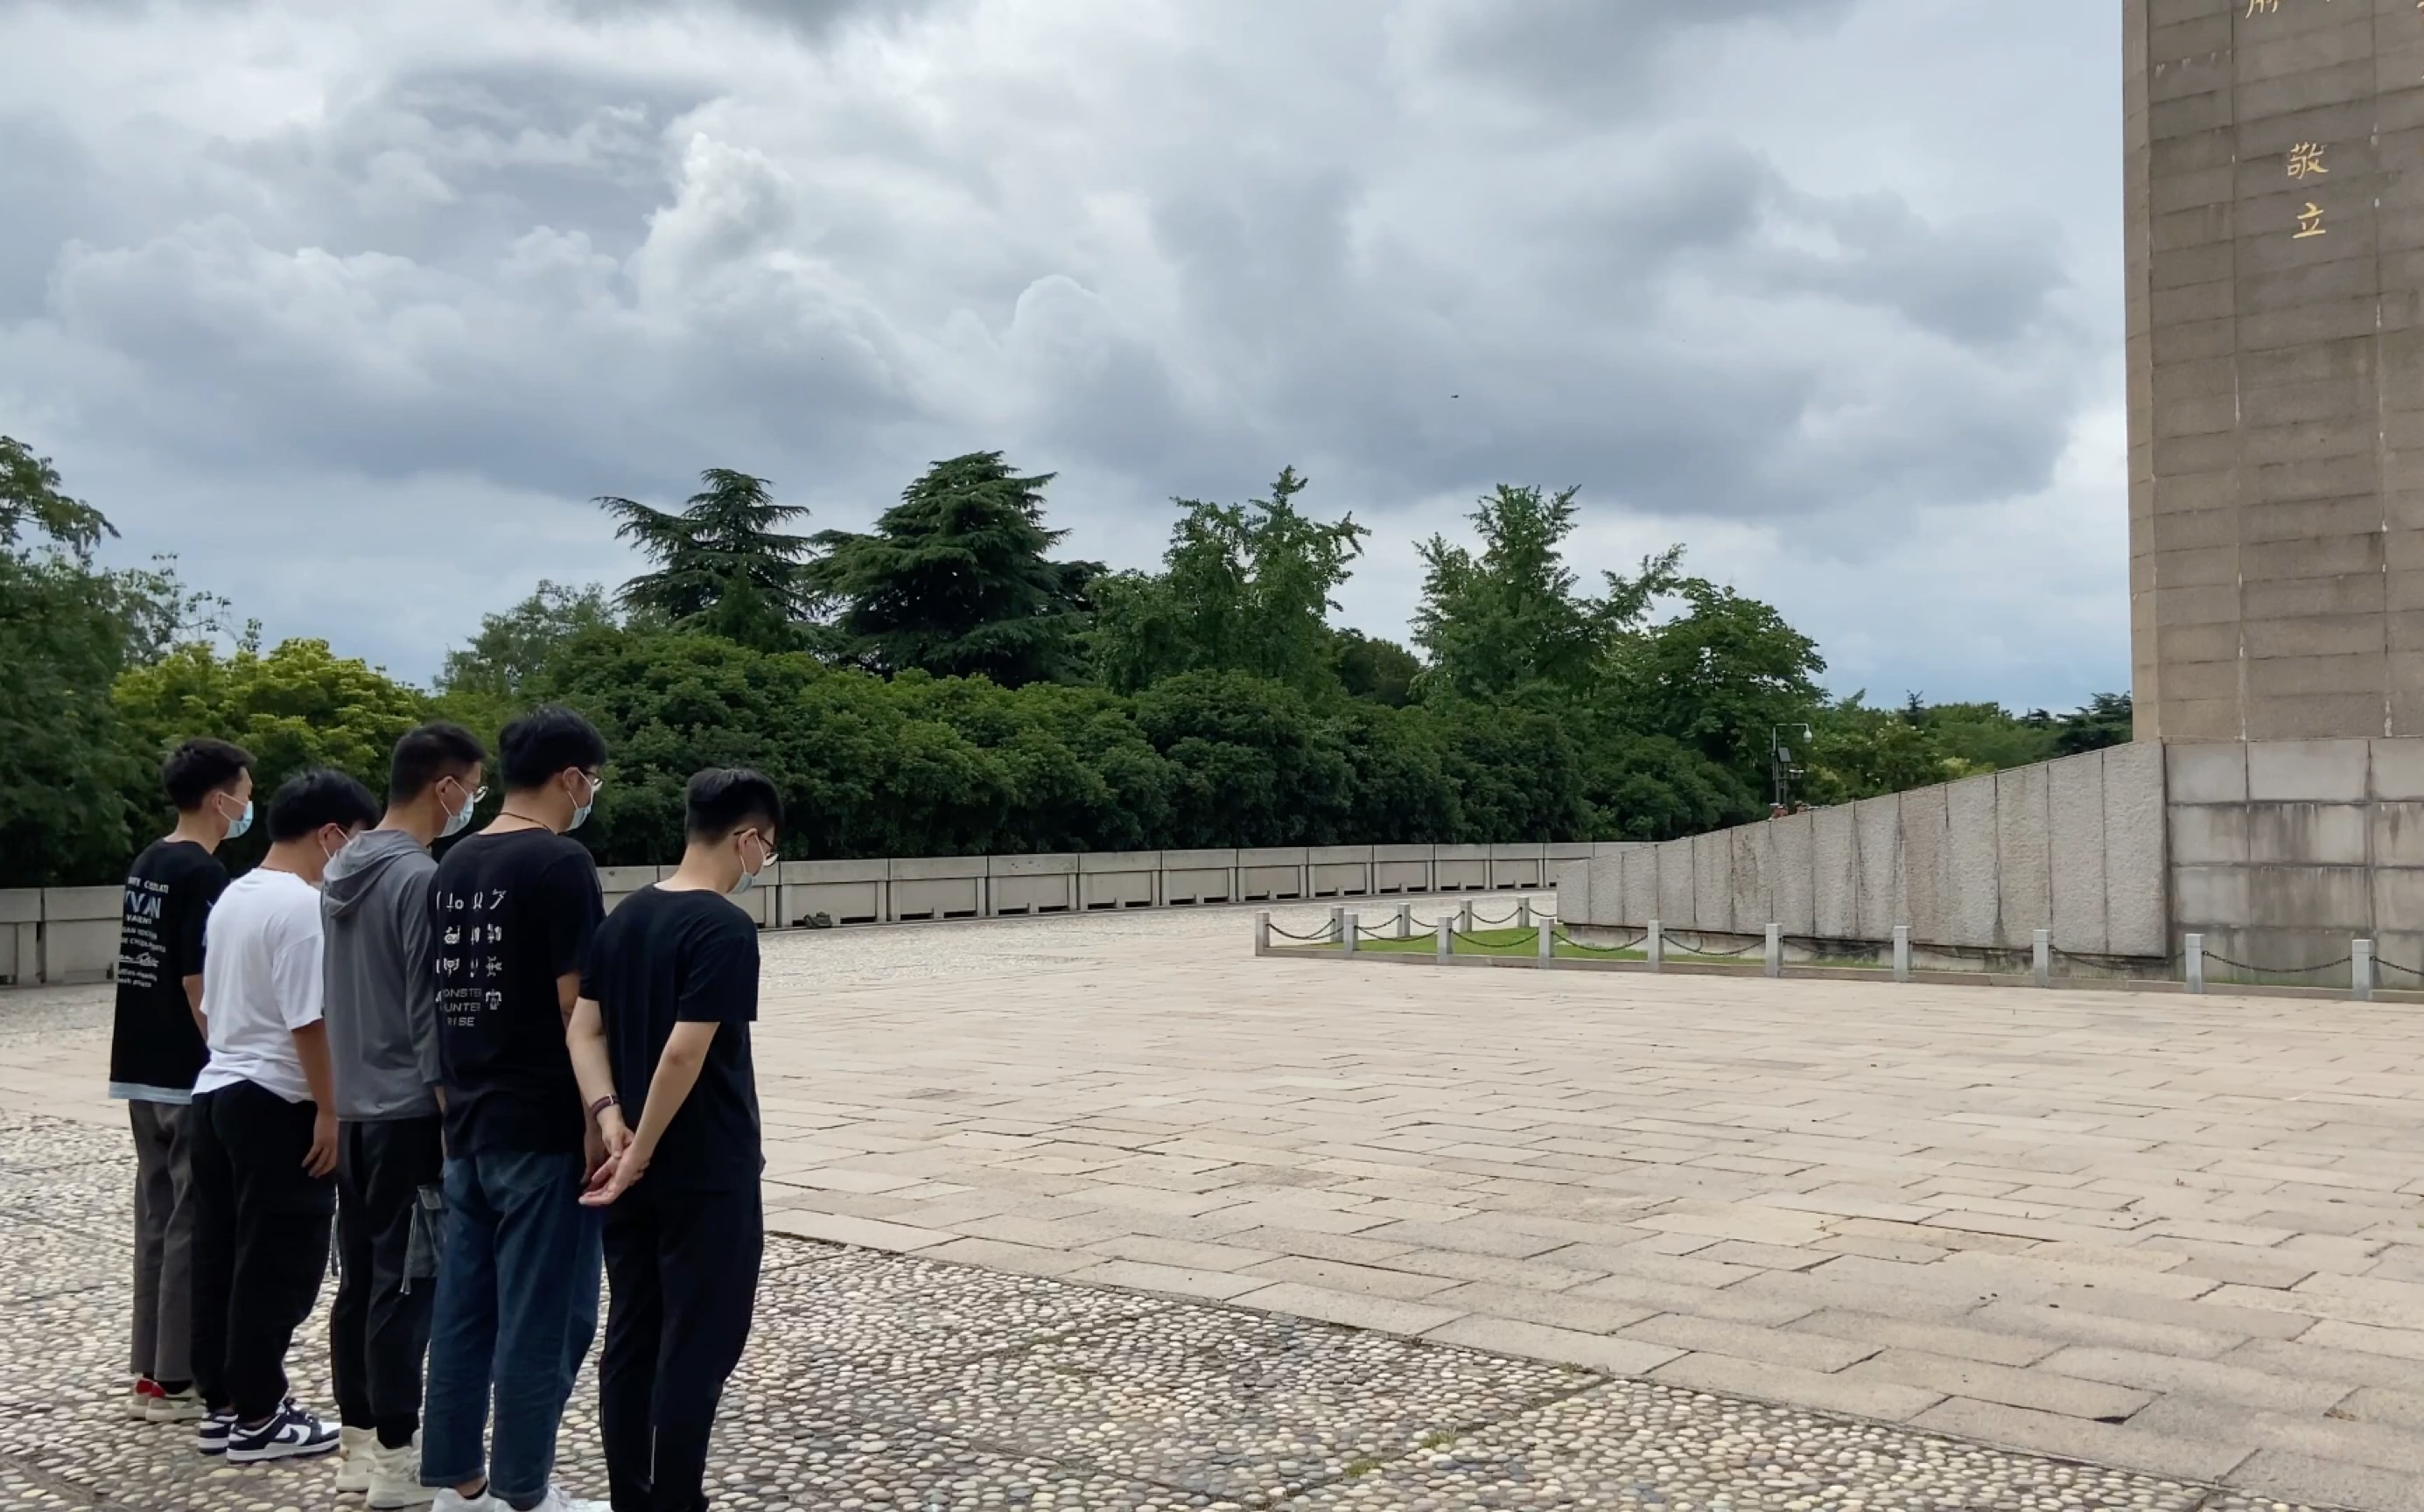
column 242, row 822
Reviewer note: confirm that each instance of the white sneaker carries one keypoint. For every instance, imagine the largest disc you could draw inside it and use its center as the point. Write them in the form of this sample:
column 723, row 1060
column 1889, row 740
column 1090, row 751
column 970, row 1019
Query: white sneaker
column 395, row 1478
column 355, row 1447
column 448, row 1500
column 291, row 1433
column 174, row 1407
column 210, row 1433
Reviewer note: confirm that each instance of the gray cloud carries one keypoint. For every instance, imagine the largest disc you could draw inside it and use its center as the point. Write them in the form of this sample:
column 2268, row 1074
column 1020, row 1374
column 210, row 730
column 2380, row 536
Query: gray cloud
column 596, row 246
column 1600, row 55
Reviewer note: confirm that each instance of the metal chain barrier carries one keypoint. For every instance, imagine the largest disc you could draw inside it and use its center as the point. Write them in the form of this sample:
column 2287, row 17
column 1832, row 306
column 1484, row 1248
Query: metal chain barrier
column 1567, row 940
column 1323, row 935
column 2212, row 958
column 1988, row 956
column 2108, row 962
column 1717, row 955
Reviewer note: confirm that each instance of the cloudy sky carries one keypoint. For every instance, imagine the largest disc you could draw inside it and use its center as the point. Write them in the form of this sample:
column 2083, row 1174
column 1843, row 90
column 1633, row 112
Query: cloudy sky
column 355, row 308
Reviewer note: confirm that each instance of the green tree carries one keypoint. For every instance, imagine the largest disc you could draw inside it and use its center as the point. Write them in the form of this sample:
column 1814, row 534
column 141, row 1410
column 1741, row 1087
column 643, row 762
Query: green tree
column 65, row 763
column 67, row 630
column 723, row 564
column 1519, row 773
column 1860, row 752
column 1243, row 588
column 485, row 683
column 1379, row 671
column 955, row 579
column 33, row 501
column 1403, row 794
column 1717, row 679
column 2109, row 719
column 1509, row 620
column 299, row 705
column 1653, row 787
column 1982, row 736
column 1253, row 764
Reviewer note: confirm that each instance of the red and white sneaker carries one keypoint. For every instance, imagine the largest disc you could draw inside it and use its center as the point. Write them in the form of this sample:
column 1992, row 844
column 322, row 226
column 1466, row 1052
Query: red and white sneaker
column 138, row 1402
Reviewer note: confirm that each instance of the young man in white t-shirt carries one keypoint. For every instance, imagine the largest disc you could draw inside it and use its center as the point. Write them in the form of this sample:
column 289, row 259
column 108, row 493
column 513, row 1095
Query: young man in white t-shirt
column 264, row 1128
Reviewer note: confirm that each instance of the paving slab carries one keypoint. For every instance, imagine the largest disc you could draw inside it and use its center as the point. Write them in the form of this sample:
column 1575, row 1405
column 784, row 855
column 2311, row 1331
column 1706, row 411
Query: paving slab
column 1734, row 1176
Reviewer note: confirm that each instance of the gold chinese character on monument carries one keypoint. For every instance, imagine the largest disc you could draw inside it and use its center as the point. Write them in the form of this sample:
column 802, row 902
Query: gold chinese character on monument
column 2310, row 222
column 2264, row 8
column 2306, row 157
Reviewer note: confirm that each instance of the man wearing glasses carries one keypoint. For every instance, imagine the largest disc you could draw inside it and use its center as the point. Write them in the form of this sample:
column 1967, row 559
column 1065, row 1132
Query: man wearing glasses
column 381, row 1006
column 511, row 910
column 661, row 1043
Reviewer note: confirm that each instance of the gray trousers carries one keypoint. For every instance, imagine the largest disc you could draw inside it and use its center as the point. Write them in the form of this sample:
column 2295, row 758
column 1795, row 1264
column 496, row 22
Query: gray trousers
column 164, row 1243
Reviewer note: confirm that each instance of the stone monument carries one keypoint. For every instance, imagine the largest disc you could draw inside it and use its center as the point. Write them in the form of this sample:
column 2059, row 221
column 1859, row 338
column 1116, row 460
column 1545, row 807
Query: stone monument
column 2273, row 805
column 2275, row 250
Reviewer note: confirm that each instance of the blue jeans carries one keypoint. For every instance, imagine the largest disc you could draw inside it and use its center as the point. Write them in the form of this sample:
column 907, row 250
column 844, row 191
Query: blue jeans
column 517, row 1310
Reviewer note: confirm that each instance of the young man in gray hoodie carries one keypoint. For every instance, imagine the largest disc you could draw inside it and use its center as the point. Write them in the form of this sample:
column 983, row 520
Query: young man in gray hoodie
column 382, row 1016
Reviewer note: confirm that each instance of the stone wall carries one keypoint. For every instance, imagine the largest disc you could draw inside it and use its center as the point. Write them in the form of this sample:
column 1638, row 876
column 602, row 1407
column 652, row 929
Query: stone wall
column 2076, row 847
column 70, row 934
column 2283, row 851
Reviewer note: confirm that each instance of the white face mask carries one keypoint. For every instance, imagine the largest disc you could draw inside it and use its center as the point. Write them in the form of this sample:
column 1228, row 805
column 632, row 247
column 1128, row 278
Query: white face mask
column 459, row 820
column 242, row 822
column 581, row 811
column 765, row 859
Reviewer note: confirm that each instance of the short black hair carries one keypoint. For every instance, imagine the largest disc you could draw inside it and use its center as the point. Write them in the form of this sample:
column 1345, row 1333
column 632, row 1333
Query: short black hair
column 545, row 741
column 200, row 768
column 724, row 798
column 427, row 754
column 310, row 800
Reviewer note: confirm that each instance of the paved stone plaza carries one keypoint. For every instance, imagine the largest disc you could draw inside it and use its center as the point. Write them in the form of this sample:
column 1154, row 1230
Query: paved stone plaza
column 1129, row 1177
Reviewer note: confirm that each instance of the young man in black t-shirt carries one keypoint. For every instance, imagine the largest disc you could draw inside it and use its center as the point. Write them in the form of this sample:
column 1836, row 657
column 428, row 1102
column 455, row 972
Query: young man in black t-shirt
column 512, row 911
column 661, row 1041
column 157, row 1047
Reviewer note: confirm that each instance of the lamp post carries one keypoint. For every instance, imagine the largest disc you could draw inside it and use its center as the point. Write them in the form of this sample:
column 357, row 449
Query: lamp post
column 1780, row 762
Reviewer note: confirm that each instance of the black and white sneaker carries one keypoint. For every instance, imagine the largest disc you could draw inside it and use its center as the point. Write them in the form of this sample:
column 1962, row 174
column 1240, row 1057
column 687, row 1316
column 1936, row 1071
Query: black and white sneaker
column 210, row 1433
column 291, row 1434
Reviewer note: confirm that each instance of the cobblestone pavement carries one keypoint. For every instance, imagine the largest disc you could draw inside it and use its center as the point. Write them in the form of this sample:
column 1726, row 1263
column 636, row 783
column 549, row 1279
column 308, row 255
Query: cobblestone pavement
column 877, row 1380
column 2175, row 1236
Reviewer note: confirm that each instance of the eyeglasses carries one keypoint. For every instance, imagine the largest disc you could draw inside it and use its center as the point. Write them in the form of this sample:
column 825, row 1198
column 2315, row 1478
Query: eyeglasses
column 479, row 794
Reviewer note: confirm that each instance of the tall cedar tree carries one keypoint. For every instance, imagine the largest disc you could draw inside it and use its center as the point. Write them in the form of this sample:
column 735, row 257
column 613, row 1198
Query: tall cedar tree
column 955, row 579
column 724, row 565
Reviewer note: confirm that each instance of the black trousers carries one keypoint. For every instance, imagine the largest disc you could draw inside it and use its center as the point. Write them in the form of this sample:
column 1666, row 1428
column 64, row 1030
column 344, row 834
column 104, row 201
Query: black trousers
column 388, row 1197
column 681, row 1270
column 261, row 1243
